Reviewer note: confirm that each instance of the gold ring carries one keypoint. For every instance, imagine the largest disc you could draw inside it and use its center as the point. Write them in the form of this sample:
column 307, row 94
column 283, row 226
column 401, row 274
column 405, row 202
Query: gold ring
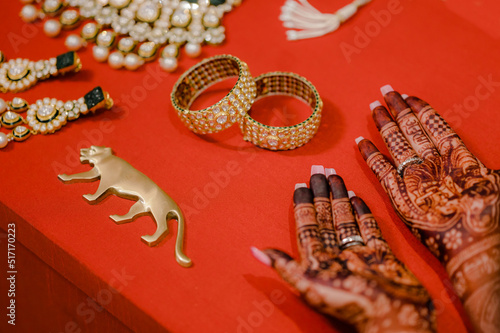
column 227, row 111
column 287, row 137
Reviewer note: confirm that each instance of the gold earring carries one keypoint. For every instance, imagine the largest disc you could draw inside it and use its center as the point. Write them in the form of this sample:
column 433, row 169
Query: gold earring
column 20, row 74
column 47, row 115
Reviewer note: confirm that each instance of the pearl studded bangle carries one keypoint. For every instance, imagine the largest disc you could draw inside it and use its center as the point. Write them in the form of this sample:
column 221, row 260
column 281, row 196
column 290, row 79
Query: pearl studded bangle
column 224, row 113
column 289, row 137
column 235, row 105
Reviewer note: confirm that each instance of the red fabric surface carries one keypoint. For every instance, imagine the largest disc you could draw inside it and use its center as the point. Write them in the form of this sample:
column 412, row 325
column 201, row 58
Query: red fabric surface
column 46, row 301
column 235, row 195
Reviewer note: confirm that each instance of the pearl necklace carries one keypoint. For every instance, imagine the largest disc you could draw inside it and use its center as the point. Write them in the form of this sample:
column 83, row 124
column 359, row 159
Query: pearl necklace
column 128, row 33
column 46, row 115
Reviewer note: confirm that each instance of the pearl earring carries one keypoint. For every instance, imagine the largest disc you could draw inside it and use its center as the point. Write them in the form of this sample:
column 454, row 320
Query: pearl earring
column 46, row 115
column 21, row 74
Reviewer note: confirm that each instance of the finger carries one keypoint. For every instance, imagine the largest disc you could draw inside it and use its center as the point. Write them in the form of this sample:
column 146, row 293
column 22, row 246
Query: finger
column 368, row 226
column 388, row 177
column 308, row 238
column 409, row 124
column 321, row 193
column 399, row 148
column 284, row 265
column 312, row 290
column 343, row 216
column 380, row 165
column 447, row 141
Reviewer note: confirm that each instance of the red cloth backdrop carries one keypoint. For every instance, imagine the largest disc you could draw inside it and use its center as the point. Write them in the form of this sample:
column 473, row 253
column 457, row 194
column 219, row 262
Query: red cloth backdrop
column 235, row 195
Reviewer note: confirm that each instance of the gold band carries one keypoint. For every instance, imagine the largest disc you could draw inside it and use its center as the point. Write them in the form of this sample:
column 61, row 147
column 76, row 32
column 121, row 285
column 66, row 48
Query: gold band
column 288, row 137
column 227, row 111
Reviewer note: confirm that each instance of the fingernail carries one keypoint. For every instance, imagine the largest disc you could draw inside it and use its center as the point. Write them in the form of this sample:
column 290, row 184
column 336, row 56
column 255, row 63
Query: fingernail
column 374, row 105
column 330, row 171
column 300, row 185
column 359, row 139
column 315, row 169
column 386, row 89
column 405, row 96
column 261, row 256
column 351, row 194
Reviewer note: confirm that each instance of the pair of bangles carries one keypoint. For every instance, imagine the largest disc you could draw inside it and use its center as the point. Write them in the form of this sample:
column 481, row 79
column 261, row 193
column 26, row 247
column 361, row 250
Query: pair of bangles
column 235, row 106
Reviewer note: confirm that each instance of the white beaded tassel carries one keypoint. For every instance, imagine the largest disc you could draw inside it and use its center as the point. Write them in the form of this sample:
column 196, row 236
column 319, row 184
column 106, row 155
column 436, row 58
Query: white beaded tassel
column 310, row 22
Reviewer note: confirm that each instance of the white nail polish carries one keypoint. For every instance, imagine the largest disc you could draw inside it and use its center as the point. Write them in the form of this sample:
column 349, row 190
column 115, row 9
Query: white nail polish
column 299, row 185
column 315, row 169
column 351, row 194
column 386, row 89
column 359, row 139
column 330, row 171
column 374, row 105
column 261, row 256
column 405, row 96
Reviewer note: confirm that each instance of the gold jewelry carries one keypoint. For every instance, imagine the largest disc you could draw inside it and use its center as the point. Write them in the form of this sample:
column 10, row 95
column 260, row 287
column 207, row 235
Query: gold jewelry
column 20, row 74
column 47, row 115
column 117, row 26
column 120, row 178
column 224, row 113
column 407, row 163
column 289, row 137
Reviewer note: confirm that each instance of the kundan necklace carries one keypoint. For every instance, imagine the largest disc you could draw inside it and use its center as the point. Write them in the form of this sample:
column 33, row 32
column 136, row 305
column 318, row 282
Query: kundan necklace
column 128, row 33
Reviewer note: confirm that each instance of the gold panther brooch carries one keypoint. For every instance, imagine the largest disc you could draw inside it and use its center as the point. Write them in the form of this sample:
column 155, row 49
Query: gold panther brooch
column 120, row 178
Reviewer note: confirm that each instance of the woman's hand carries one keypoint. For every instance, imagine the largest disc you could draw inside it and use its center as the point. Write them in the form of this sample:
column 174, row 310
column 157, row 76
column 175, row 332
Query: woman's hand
column 448, row 198
column 346, row 268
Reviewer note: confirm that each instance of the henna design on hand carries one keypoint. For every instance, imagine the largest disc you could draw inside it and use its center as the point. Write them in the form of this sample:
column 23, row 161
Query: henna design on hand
column 364, row 285
column 450, row 201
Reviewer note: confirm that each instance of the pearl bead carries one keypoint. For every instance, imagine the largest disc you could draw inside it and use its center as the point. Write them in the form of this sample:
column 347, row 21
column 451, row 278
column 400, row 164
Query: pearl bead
column 29, row 13
column 115, row 60
column 133, row 61
column 52, row 28
column 100, row 53
column 74, row 42
column 170, row 51
column 193, row 50
column 3, row 106
column 211, row 20
column 169, row 64
column 3, row 140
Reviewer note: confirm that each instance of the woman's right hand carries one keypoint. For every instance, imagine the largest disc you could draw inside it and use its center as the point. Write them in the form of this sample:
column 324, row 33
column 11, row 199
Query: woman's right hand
column 445, row 195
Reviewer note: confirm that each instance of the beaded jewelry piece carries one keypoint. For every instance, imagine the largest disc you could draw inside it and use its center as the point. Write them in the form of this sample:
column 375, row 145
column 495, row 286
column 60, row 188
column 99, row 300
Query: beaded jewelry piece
column 21, row 74
column 47, row 115
column 128, row 33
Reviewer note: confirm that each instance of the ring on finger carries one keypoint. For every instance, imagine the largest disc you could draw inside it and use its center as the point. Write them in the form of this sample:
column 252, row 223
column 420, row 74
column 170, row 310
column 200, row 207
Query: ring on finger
column 406, row 163
column 351, row 241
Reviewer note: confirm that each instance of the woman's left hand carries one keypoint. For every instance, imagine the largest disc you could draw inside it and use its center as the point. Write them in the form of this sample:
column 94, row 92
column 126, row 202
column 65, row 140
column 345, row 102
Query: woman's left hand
column 346, row 268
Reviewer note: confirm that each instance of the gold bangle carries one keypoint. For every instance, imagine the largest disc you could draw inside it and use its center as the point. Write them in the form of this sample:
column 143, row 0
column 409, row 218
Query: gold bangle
column 288, row 137
column 227, row 111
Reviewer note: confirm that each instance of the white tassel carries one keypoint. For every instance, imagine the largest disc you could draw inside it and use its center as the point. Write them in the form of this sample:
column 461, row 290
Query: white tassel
column 310, row 22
